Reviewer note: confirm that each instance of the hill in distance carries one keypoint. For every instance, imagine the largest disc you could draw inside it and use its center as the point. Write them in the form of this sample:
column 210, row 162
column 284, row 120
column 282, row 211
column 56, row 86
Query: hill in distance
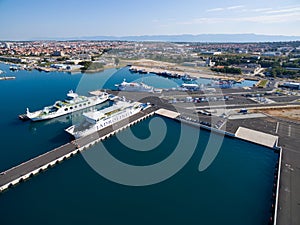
column 189, row 38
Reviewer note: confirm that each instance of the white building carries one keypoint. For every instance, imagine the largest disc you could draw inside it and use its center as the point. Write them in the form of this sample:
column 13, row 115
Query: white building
column 7, row 45
column 211, row 53
column 292, row 85
column 271, row 54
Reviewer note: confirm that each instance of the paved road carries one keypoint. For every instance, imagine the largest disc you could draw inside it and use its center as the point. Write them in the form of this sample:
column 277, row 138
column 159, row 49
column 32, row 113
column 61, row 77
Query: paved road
column 289, row 192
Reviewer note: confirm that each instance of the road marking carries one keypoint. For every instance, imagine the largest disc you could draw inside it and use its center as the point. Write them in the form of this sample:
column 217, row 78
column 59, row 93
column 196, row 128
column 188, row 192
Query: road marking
column 277, row 126
column 290, row 130
column 222, row 125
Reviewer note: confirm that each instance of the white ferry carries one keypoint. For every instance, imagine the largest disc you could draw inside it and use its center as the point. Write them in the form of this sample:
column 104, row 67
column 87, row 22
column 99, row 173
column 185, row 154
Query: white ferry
column 134, row 86
column 72, row 103
column 97, row 120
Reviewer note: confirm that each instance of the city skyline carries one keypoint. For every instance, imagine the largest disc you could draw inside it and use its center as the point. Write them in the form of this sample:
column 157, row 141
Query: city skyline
column 27, row 20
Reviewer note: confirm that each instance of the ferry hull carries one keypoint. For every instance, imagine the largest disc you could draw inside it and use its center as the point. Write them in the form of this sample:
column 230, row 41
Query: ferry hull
column 92, row 128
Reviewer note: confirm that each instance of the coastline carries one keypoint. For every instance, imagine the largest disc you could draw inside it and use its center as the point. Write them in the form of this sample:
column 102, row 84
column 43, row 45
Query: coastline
column 22, row 66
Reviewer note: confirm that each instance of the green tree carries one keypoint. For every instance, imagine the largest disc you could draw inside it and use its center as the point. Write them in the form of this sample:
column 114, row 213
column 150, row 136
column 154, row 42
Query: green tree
column 117, row 61
column 85, row 64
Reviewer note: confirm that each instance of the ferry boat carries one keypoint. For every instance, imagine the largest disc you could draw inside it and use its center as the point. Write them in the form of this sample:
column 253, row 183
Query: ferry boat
column 72, row 103
column 97, row 120
column 134, row 86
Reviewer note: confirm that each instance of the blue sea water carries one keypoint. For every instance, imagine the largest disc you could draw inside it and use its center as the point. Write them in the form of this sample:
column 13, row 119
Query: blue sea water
column 235, row 189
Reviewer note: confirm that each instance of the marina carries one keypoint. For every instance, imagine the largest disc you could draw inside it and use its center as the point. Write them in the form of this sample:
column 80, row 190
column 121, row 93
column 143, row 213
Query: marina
column 6, row 77
column 60, row 152
column 196, row 81
column 183, row 75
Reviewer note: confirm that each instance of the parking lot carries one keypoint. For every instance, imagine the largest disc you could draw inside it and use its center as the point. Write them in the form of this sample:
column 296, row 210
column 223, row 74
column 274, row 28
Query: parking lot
column 289, row 140
column 289, row 195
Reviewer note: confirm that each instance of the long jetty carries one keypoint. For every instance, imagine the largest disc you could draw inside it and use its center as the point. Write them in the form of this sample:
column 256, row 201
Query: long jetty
column 28, row 169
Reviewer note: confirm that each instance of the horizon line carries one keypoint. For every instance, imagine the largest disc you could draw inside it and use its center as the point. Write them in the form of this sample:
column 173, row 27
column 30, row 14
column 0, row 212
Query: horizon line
column 116, row 37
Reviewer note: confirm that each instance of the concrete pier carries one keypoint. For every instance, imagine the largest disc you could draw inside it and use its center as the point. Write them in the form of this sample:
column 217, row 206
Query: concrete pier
column 7, row 78
column 28, row 169
column 257, row 137
column 167, row 113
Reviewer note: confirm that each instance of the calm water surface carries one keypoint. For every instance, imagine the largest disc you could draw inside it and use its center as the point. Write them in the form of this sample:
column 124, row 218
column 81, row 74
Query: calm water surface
column 235, row 189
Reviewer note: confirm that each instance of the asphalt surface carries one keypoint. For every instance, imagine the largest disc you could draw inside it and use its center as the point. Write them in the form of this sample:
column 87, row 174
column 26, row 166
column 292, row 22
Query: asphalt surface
column 289, row 192
column 289, row 140
column 284, row 98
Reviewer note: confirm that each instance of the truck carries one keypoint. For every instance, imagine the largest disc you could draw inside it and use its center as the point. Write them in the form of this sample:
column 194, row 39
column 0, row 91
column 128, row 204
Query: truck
column 244, row 111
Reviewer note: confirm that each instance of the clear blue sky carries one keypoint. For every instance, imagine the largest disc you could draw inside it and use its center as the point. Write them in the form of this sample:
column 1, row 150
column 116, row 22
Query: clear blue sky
column 27, row 19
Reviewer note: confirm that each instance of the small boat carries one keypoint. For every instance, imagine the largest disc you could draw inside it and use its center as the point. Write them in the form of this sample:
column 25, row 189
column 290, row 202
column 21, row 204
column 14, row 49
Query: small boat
column 142, row 71
column 134, row 86
column 14, row 68
column 192, row 87
column 187, row 77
